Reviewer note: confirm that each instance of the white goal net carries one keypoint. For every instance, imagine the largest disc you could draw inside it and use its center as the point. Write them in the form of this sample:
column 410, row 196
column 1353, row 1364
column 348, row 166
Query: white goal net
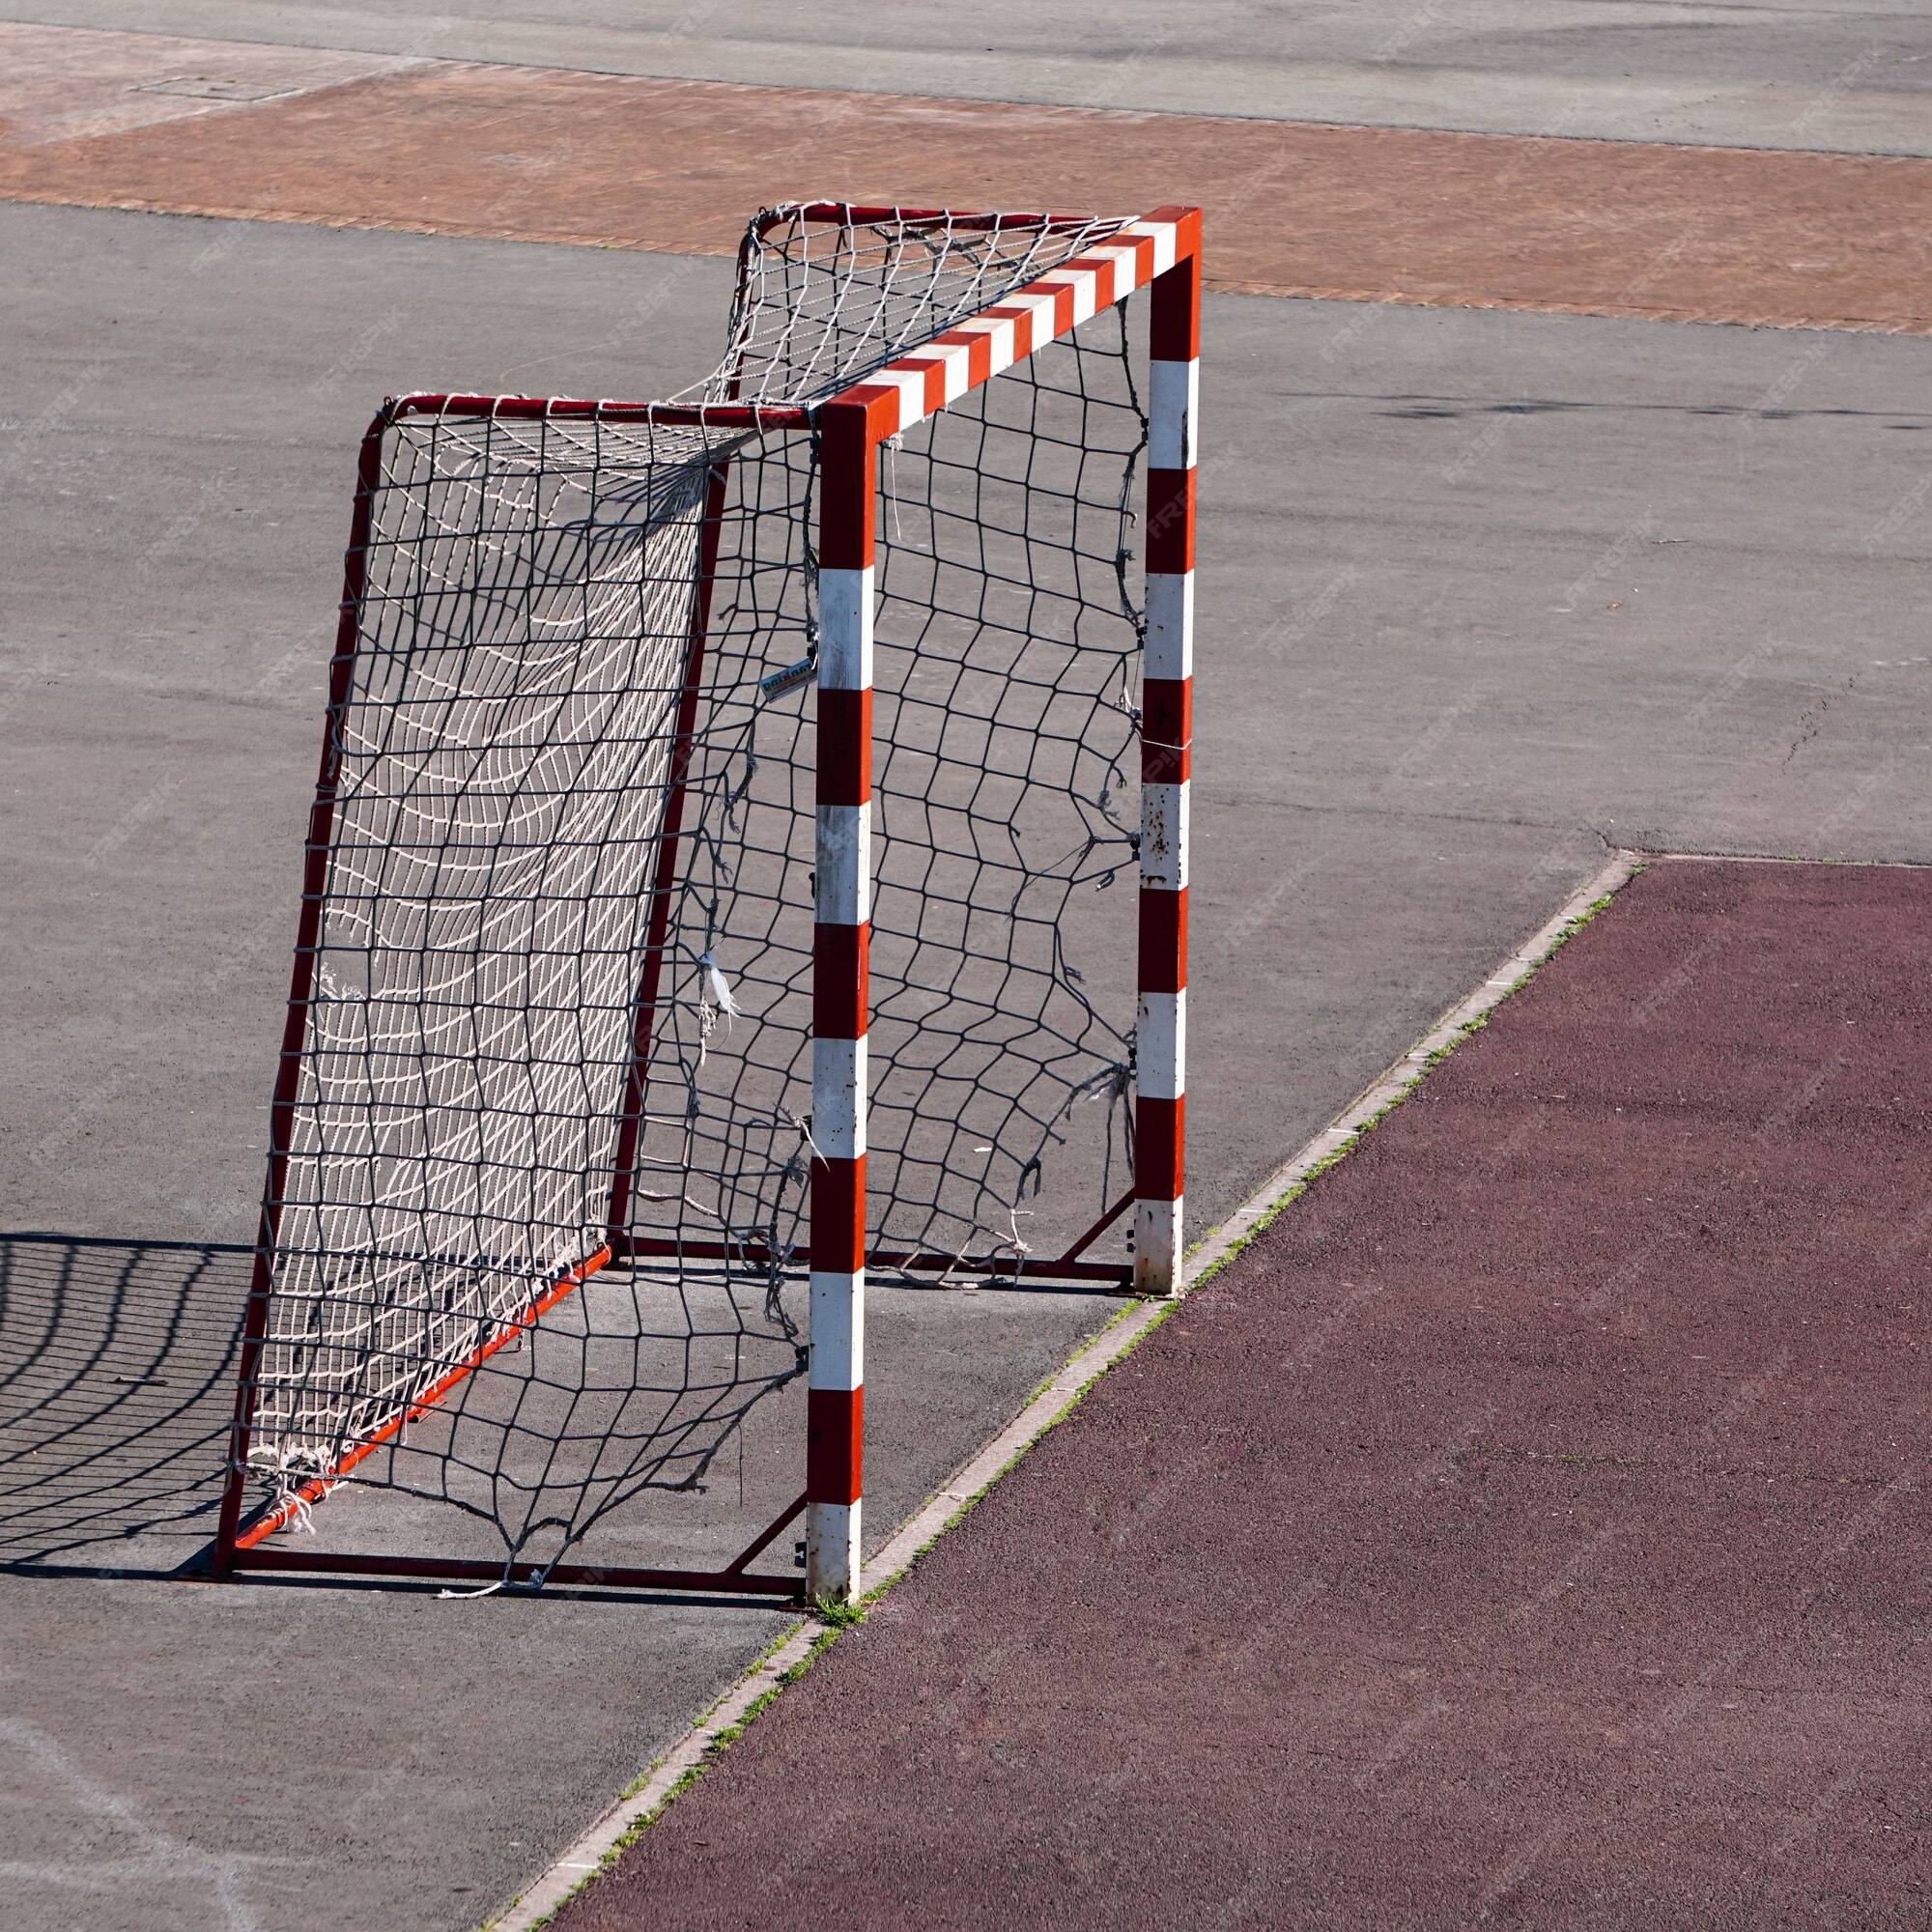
column 539, row 1187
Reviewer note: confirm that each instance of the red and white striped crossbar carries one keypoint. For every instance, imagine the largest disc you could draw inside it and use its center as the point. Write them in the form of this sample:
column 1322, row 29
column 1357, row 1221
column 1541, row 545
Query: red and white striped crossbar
column 1160, row 249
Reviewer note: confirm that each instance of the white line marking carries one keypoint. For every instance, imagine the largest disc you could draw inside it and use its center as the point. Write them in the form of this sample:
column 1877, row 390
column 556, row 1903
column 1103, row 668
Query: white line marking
column 974, row 1477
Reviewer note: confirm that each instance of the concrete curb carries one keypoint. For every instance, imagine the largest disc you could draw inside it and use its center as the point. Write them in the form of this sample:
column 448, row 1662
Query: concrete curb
column 1052, row 1402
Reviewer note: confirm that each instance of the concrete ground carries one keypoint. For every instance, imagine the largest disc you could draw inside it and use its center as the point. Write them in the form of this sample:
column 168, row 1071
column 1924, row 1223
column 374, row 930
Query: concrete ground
column 1479, row 592
column 1505, row 587
column 1787, row 74
column 1514, row 584
column 179, row 491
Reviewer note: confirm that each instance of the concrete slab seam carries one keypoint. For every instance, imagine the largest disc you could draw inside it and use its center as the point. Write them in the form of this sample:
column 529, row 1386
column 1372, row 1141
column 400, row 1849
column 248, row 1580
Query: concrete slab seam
column 1049, row 1404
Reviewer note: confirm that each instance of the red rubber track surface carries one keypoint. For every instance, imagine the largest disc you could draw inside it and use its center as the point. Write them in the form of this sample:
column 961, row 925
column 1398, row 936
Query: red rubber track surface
column 1528, row 1529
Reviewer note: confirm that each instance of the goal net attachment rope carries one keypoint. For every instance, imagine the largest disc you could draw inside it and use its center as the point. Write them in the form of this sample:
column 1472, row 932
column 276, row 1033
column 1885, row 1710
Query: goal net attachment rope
column 747, row 859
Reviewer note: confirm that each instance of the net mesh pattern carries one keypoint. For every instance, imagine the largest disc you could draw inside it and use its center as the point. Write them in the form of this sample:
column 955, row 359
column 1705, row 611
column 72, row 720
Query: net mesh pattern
column 515, row 954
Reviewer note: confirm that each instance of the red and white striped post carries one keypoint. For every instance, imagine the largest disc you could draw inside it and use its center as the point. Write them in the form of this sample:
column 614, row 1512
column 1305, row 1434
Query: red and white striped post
column 1166, row 732
column 849, row 445
column 1163, row 247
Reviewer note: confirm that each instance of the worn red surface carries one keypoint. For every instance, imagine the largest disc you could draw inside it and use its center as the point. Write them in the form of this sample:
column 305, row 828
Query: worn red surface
column 1622, row 228
column 1529, row 1530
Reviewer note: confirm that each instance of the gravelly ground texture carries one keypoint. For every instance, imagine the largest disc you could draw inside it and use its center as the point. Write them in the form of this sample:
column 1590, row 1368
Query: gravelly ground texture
column 1528, row 1529
column 1403, row 214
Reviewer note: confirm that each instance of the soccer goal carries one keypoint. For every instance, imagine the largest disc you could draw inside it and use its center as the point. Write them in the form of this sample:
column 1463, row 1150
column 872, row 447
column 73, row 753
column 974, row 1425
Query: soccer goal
column 748, row 858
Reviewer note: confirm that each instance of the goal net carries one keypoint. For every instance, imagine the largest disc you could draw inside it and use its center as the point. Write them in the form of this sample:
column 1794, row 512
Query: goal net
column 536, row 1230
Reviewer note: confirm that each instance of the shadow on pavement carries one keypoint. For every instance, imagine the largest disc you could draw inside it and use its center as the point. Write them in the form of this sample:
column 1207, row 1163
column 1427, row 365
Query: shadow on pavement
column 116, row 1364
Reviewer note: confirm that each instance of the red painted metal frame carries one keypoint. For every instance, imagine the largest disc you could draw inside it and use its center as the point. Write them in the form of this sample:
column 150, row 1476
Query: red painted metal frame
column 665, row 879
column 736, row 1579
column 731, row 1582
column 237, row 1549
column 1166, row 747
column 855, row 214
column 580, row 409
column 1065, row 1267
column 1116, row 1274
column 318, row 1487
column 294, row 1028
column 835, row 1429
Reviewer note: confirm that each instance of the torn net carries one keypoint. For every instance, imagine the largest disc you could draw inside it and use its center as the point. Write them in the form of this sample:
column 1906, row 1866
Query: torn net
column 540, row 614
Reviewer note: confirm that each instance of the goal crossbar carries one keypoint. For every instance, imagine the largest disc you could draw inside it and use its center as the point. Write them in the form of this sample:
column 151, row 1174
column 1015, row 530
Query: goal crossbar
column 849, row 428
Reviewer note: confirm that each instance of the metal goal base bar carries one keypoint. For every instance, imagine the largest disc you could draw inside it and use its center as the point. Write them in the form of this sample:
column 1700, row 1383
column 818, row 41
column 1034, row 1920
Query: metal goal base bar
column 1118, row 1276
column 464, row 1570
column 735, row 1579
column 623, row 1247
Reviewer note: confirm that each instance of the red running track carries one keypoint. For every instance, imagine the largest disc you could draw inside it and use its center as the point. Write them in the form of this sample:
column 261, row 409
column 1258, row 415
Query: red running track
column 1529, row 1530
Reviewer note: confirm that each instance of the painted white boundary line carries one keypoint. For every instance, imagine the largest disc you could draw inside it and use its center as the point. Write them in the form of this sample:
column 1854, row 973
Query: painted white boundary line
column 1051, row 1402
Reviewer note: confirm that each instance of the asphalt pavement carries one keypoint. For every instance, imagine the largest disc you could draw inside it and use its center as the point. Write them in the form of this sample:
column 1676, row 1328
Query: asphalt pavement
column 1479, row 593
column 1782, row 74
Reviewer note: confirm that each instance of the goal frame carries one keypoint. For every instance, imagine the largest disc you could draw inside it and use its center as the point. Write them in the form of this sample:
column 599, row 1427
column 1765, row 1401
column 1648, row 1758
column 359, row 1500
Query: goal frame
column 1160, row 251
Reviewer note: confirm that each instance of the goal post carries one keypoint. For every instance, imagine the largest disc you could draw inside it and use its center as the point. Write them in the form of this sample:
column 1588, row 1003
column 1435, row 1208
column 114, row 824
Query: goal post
column 584, row 1019
column 1167, row 737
